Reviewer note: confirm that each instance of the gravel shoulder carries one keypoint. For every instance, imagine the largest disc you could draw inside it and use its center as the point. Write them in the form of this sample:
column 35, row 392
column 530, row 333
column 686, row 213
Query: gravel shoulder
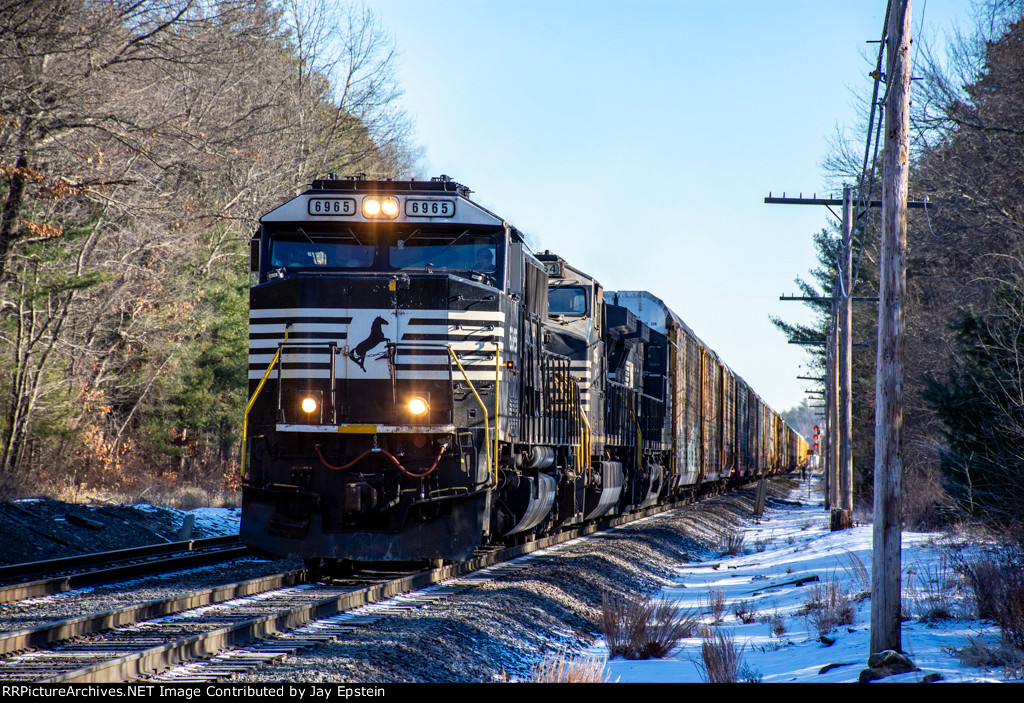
column 500, row 630
column 41, row 529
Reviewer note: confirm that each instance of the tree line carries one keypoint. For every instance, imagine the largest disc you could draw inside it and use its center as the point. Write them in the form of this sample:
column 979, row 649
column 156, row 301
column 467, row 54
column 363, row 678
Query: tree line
column 140, row 141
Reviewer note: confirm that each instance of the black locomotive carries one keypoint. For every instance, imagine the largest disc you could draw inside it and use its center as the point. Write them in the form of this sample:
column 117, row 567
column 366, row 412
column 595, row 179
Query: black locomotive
column 422, row 384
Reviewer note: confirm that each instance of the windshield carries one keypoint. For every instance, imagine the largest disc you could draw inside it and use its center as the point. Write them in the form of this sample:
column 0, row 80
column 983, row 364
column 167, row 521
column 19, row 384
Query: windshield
column 465, row 252
column 567, row 300
column 297, row 251
column 408, row 249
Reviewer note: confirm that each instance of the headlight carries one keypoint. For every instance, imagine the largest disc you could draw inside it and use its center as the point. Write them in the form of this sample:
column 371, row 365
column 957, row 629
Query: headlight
column 309, row 405
column 375, row 208
column 389, row 207
column 418, row 406
column 371, row 207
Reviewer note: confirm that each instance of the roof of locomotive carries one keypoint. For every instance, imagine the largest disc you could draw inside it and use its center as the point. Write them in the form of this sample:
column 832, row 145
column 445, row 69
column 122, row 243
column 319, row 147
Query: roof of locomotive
column 335, row 200
column 563, row 267
column 656, row 313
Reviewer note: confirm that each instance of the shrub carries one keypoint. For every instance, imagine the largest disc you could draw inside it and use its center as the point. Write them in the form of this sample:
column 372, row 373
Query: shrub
column 732, row 544
column 932, row 590
column 637, row 628
column 721, row 660
column 744, row 612
column 775, row 622
column 857, row 572
column 561, row 668
column 977, row 654
column 828, row 606
column 983, row 578
column 996, row 580
column 716, row 604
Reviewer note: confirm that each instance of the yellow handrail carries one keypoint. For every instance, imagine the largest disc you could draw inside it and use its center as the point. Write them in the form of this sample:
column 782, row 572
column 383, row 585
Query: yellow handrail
column 583, row 449
column 252, row 401
column 497, row 408
column 487, row 426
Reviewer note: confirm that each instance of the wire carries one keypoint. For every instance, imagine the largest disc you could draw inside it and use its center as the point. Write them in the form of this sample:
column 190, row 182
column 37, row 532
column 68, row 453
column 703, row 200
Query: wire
column 866, row 202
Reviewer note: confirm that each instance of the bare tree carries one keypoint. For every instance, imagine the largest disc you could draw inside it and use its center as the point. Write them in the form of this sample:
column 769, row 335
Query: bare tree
column 139, row 143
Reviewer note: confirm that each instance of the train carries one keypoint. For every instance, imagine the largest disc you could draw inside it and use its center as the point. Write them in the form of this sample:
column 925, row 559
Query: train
column 421, row 385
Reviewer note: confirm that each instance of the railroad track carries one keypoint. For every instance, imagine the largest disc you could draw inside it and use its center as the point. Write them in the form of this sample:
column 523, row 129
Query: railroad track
column 70, row 573
column 281, row 613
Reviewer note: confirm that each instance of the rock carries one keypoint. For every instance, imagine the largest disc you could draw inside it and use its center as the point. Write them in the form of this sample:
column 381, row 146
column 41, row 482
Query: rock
column 886, row 663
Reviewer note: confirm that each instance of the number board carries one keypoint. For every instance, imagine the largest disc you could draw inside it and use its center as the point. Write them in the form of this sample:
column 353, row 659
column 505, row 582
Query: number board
column 332, row 206
column 429, row 208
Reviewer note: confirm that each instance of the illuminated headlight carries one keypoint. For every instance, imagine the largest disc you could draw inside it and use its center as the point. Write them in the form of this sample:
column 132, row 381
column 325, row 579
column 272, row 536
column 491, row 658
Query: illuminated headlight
column 418, row 406
column 381, row 207
column 309, row 405
column 371, row 207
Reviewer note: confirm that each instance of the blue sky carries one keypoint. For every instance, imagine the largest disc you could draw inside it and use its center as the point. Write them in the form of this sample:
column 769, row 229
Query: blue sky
column 639, row 139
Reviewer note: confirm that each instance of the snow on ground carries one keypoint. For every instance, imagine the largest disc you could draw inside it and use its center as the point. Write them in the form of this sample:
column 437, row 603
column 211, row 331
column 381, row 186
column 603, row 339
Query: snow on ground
column 213, row 522
column 793, row 542
column 218, row 521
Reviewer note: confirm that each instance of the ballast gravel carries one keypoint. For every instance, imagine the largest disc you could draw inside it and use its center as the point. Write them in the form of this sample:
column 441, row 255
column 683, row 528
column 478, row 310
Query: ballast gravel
column 500, row 630
column 39, row 611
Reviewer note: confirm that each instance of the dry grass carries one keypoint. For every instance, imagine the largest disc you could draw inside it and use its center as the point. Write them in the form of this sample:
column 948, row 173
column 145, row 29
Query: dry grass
column 858, row 573
column 638, row 628
column 980, row 654
column 744, row 612
column 716, row 604
column 731, row 544
column 932, row 590
column 561, row 668
column 720, row 659
column 775, row 622
column 828, row 606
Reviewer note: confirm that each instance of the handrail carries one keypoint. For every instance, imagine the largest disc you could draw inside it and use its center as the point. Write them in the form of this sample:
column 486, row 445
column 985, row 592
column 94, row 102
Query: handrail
column 576, row 405
column 497, row 408
column 487, row 426
column 252, row 401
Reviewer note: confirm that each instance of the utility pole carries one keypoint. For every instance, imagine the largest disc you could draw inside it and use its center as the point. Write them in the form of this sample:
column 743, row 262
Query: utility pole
column 844, row 519
column 885, row 553
column 835, row 427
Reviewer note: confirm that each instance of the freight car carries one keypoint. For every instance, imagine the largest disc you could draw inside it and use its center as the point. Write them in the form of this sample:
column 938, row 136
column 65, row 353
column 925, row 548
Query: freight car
column 421, row 384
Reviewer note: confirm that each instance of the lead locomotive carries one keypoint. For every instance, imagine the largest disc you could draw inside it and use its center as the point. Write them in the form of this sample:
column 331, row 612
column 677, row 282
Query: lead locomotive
column 421, row 384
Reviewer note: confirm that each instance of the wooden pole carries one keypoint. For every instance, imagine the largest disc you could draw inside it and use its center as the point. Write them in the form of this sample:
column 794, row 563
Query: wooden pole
column 885, row 555
column 845, row 364
column 826, row 435
column 833, row 406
